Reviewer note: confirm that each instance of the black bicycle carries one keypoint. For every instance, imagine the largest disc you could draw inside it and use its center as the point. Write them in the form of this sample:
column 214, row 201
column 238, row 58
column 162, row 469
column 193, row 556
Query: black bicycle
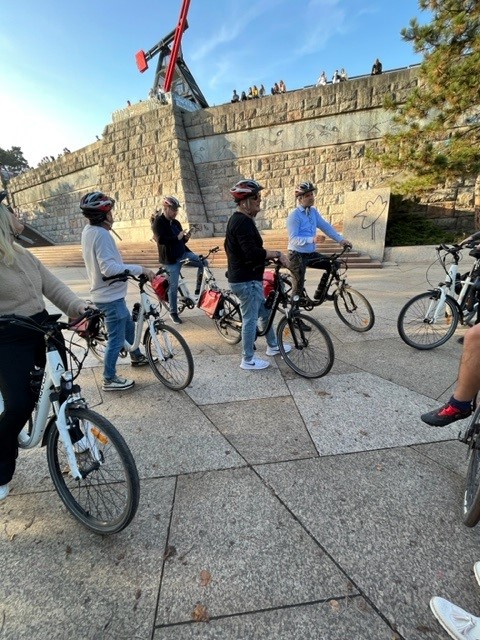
column 312, row 354
column 350, row 306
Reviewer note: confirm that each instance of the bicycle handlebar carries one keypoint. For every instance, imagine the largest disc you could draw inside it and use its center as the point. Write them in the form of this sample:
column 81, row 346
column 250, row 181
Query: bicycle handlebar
column 52, row 322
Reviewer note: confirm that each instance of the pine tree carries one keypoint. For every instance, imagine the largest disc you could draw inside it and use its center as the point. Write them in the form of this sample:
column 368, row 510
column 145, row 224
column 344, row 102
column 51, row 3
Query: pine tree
column 436, row 134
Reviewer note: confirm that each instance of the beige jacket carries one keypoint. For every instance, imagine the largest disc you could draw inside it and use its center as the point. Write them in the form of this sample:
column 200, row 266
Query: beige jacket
column 23, row 285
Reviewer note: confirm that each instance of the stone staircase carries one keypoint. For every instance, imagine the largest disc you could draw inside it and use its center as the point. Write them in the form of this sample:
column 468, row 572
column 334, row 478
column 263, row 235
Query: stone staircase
column 146, row 254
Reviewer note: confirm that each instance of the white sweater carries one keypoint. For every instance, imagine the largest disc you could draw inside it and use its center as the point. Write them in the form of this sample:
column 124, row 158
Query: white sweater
column 102, row 258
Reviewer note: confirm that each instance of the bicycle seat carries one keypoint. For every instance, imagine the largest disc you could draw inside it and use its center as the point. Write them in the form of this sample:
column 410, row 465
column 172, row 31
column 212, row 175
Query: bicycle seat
column 475, row 253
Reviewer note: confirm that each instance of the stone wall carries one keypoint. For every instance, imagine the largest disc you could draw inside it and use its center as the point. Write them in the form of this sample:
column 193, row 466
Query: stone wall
column 319, row 134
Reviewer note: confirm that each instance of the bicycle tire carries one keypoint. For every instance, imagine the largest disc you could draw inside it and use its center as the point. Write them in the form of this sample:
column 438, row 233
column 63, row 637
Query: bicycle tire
column 312, row 354
column 98, row 344
column 471, row 499
column 414, row 328
column 229, row 325
column 353, row 309
column 106, row 500
column 174, row 365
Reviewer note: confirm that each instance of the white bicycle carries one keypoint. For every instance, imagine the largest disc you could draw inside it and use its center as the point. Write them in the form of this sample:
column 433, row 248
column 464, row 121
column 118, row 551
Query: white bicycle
column 167, row 351
column 89, row 462
column 429, row 319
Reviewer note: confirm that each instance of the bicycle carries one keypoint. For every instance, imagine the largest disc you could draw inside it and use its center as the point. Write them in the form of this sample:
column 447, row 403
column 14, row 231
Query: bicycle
column 351, row 307
column 221, row 305
column 90, row 464
column 430, row 319
column 471, row 437
column 312, row 353
column 168, row 353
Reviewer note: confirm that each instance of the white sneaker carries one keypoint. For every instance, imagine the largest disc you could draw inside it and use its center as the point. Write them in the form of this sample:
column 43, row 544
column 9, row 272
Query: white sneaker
column 254, row 364
column 457, row 622
column 4, row 491
column 476, row 571
column 275, row 351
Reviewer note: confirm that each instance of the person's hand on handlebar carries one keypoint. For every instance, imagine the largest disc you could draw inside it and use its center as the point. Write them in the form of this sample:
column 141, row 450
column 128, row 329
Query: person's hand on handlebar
column 278, row 255
column 347, row 244
column 148, row 273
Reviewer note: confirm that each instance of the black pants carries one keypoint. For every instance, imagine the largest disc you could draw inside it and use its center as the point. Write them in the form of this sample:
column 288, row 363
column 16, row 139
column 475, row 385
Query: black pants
column 299, row 263
column 20, row 351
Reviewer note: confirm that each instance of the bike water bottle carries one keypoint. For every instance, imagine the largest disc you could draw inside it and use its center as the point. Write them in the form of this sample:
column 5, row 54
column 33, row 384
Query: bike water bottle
column 135, row 311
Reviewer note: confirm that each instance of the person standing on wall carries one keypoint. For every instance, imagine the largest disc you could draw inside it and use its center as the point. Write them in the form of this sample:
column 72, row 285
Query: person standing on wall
column 246, row 263
column 302, row 225
column 172, row 249
column 102, row 258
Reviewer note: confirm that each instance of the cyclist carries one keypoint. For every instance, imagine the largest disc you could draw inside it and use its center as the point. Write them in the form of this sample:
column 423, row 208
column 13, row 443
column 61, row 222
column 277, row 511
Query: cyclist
column 172, row 249
column 302, row 225
column 102, row 258
column 23, row 283
column 459, row 406
column 246, row 263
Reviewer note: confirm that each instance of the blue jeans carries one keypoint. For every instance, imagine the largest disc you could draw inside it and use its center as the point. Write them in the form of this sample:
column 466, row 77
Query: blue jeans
column 174, row 273
column 120, row 327
column 253, row 310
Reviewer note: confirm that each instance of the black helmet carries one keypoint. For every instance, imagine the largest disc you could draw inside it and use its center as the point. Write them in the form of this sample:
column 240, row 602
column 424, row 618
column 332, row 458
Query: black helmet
column 303, row 188
column 95, row 206
column 172, row 202
column 245, row 189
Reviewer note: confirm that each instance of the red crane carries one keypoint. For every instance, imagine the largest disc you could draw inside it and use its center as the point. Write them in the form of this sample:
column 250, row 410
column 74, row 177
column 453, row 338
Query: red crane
column 175, row 60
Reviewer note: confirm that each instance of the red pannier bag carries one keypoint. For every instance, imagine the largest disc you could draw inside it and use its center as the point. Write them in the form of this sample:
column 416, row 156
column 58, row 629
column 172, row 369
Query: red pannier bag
column 268, row 282
column 210, row 302
column 160, row 286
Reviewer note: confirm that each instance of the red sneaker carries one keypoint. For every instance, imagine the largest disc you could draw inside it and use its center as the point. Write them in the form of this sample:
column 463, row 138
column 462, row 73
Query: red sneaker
column 445, row 415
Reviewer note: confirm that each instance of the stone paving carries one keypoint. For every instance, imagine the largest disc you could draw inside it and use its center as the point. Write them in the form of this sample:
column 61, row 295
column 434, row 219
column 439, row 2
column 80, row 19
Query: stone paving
column 273, row 506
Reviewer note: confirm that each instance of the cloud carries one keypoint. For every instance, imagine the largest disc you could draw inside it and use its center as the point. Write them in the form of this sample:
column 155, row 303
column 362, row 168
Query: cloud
column 234, row 26
column 330, row 19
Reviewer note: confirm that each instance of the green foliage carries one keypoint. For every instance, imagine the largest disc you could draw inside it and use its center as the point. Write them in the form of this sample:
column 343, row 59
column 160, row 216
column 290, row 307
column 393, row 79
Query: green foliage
column 13, row 160
column 436, row 134
column 413, row 229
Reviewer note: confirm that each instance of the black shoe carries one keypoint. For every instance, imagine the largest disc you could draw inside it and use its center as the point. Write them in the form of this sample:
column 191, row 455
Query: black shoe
column 141, row 361
column 445, row 415
column 175, row 318
column 318, row 295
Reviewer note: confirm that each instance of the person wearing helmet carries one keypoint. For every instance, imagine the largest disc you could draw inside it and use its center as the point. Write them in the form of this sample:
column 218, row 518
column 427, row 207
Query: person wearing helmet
column 302, row 225
column 172, row 249
column 102, row 258
column 246, row 262
column 24, row 282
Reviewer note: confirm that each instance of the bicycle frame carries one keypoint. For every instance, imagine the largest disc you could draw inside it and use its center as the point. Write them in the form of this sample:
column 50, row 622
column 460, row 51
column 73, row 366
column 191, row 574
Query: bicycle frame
column 447, row 288
column 147, row 312
column 280, row 301
column 55, row 375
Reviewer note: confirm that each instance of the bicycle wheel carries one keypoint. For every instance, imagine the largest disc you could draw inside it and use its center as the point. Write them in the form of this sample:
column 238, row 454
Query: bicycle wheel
column 169, row 356
column 353, row 309
column 312, row 352
column 105, row 500
column 423, row 324
column 471, row 499
column 229, row 325
column 98, row 344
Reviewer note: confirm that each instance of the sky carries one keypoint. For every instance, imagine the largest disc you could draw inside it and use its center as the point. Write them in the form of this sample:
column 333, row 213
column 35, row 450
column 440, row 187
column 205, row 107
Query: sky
column 65, row 66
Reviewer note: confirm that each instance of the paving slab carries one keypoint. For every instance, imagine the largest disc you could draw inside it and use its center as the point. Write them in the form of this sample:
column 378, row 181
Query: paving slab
column 275, row 506
column 238, row 550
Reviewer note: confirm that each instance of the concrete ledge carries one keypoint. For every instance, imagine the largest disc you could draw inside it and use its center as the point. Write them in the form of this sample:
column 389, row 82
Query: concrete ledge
column 420, row 253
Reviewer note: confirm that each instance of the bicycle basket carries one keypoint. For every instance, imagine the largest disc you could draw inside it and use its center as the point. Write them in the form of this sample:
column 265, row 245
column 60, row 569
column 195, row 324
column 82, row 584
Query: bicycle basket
column 160, row 286
column 211, row 303
column 268, row 282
